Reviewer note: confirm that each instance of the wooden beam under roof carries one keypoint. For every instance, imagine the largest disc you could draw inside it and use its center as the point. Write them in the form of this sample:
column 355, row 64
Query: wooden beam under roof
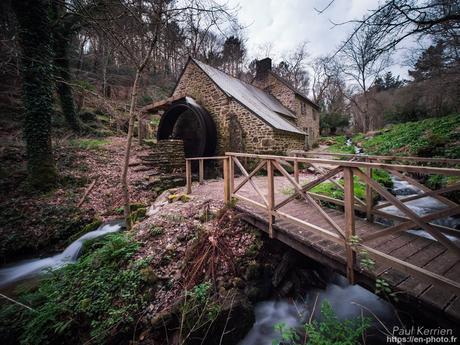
column 164, row 103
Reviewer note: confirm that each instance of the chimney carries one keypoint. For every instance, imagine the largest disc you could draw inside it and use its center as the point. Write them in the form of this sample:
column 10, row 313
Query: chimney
column 262, row 68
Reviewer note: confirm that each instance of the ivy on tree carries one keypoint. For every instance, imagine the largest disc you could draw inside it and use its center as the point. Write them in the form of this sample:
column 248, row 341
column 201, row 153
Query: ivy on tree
column 37, row 85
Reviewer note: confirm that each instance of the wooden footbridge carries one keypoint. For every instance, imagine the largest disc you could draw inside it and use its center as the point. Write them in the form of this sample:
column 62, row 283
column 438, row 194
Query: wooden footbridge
column 351, row 238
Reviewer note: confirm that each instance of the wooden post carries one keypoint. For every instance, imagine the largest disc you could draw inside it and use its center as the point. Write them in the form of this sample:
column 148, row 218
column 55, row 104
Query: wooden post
column 270, row 196
column 349, row 222
column 232, row 176
column 369, row 197
column 188, row 175
column 201, row 171
column 296, row 171
column 227, row 177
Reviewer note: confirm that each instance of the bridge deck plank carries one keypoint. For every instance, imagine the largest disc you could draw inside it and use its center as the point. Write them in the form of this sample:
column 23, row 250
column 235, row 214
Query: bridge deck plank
column 411, row 248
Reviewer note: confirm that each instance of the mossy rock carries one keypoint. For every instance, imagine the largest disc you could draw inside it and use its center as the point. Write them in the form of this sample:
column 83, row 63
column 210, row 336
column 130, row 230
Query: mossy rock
column 87, row 228
column 176, row 197
column 137, row 215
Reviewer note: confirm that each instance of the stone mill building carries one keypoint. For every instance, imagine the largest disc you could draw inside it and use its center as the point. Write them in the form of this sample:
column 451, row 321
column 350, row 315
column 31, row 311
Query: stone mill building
column 213, row 113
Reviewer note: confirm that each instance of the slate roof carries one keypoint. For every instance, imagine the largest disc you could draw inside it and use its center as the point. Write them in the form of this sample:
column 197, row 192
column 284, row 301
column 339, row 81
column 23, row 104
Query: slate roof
column 262, row 104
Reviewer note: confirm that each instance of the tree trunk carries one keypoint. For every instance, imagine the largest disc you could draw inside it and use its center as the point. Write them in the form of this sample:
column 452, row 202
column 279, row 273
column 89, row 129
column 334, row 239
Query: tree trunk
column 124, row 176
column 36, row 68
column 61, row 39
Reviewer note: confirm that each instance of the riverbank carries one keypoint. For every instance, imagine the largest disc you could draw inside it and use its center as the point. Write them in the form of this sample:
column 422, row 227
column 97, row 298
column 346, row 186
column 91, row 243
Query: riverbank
column 32, row 222
column 191, row 269
column 192, row 272
column 433, row 137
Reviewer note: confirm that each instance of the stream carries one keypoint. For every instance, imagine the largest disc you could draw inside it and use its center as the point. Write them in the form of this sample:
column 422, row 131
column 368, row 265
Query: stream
column 31, row 268
column 348, row 301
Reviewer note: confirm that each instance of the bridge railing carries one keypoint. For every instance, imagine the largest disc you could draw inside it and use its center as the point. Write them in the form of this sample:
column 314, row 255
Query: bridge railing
column 345, row 235
column 200, row 160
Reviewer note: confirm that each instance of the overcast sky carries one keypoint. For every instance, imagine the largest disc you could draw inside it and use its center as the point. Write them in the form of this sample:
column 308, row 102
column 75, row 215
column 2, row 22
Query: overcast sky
column 286, row 23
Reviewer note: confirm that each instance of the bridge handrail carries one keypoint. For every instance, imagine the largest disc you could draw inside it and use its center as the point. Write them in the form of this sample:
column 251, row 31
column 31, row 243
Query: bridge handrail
column 379, row 157
column 354, row 164
column 346, row 234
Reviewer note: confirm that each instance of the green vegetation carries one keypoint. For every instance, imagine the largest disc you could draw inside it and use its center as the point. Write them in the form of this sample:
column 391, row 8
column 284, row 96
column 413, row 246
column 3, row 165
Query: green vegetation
column 434, row 137
column 330, row 189
column 156, row 231
column 102, row 293
column 329, row 331
column 89, row 144
column 332, row 121
column 198, row 311
column 339, row 144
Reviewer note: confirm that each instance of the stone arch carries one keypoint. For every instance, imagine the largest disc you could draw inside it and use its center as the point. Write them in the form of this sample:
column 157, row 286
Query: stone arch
column 188, row 121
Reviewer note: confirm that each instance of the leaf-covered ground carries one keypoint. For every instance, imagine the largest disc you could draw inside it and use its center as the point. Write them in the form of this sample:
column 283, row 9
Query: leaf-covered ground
column 33, row 222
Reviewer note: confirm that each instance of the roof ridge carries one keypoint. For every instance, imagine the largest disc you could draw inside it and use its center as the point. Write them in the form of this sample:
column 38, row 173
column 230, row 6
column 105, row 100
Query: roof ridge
column 295, row 90
column 259, row 102
column 229, row 75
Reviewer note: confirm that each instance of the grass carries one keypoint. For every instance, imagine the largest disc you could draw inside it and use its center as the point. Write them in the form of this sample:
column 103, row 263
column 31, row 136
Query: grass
column 339, row 144
column 433, row 137
column 332, row 190
column 89, row 144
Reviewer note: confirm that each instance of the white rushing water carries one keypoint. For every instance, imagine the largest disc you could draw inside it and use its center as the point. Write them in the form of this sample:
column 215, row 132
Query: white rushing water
column 421, row 207
column 347, row 301
column 32, row 267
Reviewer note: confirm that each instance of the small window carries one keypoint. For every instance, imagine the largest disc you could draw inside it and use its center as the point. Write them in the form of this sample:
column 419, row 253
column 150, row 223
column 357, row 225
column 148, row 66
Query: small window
column 303, row 108
column 314, row 114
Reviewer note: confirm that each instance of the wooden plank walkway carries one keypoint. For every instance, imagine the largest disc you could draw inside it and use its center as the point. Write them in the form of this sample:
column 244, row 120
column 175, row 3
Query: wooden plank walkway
column 419, row 251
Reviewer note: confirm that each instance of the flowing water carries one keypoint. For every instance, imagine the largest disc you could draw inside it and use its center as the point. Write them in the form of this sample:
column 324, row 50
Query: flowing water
column 421, row 207
column 28, row 269
column 347, row 300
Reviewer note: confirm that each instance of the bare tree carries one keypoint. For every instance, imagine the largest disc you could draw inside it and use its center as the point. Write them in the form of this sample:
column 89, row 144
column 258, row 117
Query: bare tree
column 293, row 67
column 326, row 72
column 362, row 62
column 400, row 19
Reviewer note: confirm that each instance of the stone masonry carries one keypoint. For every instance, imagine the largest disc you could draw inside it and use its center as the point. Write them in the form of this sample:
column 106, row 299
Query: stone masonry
column 228, row 115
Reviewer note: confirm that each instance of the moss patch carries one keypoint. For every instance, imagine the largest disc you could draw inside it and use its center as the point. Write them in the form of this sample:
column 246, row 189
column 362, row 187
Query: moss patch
column 89, row 144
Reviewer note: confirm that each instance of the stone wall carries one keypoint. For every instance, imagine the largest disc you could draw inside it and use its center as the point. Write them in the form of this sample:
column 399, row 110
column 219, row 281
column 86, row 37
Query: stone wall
column 234, row 122
column 308, row 122
column 167, row 156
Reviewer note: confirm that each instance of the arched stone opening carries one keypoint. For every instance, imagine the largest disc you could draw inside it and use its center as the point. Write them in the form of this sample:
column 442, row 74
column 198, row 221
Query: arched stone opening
column 187, row 121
